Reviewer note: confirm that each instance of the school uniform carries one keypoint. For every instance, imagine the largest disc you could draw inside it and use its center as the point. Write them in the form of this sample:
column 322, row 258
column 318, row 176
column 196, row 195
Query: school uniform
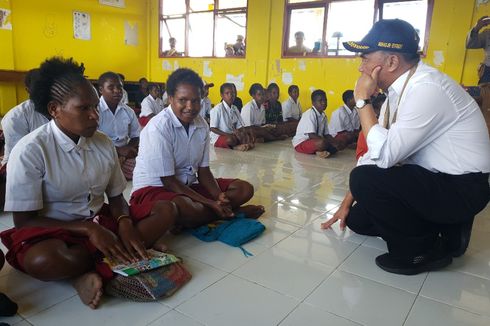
column 167, row 149
column 62, row 180
column 226, row 119
column 311, row 122
column 291, row 109
column 205, row 107
column 252, row 114
column 125, row 98
column 343, row 119
column 149, row 106
column 18, row 122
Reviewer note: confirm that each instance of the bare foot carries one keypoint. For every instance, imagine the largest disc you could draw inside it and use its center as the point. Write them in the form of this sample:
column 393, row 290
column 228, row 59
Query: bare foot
column 89, row 288
column 159, row 245
column 251, row 211
column 242, row 147
column 323, row 154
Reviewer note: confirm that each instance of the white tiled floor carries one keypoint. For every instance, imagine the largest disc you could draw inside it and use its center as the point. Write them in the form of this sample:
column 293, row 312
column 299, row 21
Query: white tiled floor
column 299, row 274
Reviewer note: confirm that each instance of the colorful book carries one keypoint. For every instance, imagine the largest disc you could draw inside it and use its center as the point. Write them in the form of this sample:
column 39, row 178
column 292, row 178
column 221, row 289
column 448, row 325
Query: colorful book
column 158, row 259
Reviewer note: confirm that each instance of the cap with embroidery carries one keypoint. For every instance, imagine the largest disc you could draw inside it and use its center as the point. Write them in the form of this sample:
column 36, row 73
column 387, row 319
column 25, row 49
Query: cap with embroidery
column 387, row 35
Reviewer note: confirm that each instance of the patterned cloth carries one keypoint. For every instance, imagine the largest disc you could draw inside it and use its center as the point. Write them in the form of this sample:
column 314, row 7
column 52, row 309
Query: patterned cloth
column 273, row 112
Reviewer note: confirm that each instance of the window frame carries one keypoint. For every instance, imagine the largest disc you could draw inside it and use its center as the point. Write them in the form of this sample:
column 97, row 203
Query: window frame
column 216, row 12
column 377, row 14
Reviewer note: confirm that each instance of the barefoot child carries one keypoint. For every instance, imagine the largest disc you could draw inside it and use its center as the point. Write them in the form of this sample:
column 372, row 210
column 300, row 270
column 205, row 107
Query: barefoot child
column 57, row 178
column 173, row 163
column 227, row 128
column 312, row 133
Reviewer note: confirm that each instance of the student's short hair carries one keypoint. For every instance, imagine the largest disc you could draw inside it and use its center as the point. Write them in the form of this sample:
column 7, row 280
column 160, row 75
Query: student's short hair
column 225, row 86
column 255, row 88
column 291, row 87
column 58, row 80
column 347, row 95
column 318, row 93
column 272, row 86
column 142, row 79
column 152, row 86
column 298, row 34
column 30, row 77
column 121, row 76
column 183, row 76
column 106, row 76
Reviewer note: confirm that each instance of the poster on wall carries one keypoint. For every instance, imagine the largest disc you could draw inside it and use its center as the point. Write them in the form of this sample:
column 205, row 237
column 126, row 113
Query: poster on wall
column 113, row 3
column 5, row 19
column 81, row 25
column 130, row 33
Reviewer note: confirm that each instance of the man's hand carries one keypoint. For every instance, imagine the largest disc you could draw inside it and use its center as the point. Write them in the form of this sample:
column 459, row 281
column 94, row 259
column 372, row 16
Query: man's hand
column 367, row 84
column 340, row 214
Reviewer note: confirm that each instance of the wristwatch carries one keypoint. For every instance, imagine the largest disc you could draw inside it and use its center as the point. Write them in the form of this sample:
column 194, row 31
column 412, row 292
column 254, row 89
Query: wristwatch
column 362, row 103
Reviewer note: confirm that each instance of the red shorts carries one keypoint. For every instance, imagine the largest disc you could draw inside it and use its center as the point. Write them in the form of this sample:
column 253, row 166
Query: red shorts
column 144, row 120
column 19, row 241
column 306, row 147
column 362, row 147
column 222, row 142
column 142, row 200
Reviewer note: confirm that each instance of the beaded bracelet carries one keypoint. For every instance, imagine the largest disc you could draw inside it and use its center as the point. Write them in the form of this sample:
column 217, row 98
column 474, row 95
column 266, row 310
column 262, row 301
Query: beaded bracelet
column 121, row 217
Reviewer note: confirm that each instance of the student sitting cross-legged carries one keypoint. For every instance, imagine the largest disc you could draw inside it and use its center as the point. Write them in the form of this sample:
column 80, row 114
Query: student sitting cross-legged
column 151, row 105
column 57, row 178
column 227, row 127
column 173, row 163
column 312, row 133
column 344, row 123
column 118, row 121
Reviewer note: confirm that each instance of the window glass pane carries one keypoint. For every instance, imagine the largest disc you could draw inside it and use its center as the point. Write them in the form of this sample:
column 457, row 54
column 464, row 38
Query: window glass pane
column 173, row 7
column 340, row 29
column 414, row 12
column 230, row 35
column 227, row 4
column 309, row 22
column 200, row 5
column 173, row 28
column 201, row 34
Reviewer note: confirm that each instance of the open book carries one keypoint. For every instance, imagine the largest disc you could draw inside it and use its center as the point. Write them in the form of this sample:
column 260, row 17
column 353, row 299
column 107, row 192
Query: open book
column 158, row 259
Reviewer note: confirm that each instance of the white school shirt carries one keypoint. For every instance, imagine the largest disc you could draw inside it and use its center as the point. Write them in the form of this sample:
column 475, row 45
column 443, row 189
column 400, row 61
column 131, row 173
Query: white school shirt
column 205, row 107
column 311, row 122
column 343, row 119
column 149, row 105
column 48, row 172
column 120, row 126
column 438, row 127
column 290, row 109
column 225, row 118
column 166, row 149
column 18, row 122
column 124, row 99
column 252, row 115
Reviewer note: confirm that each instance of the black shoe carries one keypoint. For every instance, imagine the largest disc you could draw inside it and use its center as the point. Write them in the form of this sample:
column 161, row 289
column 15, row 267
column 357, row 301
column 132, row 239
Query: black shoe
column 435, row 259
column 7, row 307
column 457, row 237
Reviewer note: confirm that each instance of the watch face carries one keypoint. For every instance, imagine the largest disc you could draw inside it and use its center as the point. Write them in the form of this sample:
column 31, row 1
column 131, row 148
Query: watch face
column 360, row 103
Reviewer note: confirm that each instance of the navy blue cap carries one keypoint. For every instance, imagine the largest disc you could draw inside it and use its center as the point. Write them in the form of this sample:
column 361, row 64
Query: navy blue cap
column 387, row 35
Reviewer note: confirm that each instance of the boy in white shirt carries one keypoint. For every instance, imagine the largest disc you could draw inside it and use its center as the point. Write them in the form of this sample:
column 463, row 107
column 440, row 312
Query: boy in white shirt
column 205, row 102
column 291, row 108
column 118, row 121
column 173, row 163
column 344, row 123
column 312, row 133
column 151, row 105
column 226, row 124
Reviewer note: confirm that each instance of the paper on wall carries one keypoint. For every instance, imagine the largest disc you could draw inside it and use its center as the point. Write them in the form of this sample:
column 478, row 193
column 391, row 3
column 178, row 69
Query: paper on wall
column 5, row 19
column 130, row 33
column 287, row 78
column 206, row 70
column 81, row 25
column 237, row 80
column 113, row 3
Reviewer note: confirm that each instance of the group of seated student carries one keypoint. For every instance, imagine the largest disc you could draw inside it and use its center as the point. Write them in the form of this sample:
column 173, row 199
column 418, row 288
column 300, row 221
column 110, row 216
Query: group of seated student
column 59, row 173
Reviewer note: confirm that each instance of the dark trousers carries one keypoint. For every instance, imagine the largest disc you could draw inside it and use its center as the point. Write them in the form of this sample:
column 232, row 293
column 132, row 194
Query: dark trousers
column 408, row 206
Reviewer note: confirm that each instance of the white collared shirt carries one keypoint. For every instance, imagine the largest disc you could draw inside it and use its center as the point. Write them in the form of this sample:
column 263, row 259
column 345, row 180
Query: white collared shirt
column 311, row 122
column 205, row 107
column 120, row 126
column 291, row 109
column 149, row 105
column 343, row 119
column 49, row 173
column 225, row 119
column 166, row 149
column 18, row 122
column 438, row 127
column 252, row 115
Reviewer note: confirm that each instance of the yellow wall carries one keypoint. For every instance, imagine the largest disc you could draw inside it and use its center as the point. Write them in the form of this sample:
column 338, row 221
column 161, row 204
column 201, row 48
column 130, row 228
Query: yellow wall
column 42, row 29
column 451, row 22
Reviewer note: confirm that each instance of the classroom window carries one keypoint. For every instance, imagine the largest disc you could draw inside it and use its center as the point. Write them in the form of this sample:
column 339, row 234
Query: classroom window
column 203, row 28
column 318, row 28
